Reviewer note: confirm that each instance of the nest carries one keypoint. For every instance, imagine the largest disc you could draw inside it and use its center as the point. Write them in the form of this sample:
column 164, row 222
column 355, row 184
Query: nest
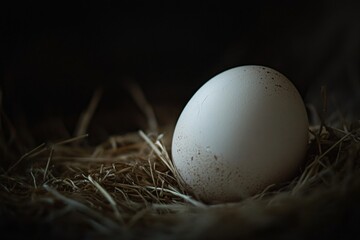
column 128, row 188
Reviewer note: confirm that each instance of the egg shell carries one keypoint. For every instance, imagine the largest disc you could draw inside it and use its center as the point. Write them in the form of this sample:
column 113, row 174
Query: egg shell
column 243, row 130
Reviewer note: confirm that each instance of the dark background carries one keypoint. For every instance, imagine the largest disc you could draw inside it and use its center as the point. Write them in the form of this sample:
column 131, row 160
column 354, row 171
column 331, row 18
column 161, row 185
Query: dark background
column 55, row 56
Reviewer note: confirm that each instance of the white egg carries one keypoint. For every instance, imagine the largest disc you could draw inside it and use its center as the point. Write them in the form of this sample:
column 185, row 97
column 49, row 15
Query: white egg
column 243, row 130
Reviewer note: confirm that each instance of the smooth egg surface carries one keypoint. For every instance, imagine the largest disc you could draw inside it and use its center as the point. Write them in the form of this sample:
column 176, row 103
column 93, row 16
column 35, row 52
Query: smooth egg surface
column 243, row 130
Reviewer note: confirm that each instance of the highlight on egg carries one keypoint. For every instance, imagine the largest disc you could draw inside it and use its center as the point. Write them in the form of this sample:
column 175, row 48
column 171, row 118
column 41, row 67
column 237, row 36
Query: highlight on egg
column 243, row 130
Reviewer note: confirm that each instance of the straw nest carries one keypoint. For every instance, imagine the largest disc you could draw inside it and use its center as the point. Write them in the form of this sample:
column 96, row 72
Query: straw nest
column 128, row 188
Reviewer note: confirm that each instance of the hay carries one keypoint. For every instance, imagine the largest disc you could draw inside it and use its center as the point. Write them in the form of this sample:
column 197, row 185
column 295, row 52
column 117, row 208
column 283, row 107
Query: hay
column 127, row 187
